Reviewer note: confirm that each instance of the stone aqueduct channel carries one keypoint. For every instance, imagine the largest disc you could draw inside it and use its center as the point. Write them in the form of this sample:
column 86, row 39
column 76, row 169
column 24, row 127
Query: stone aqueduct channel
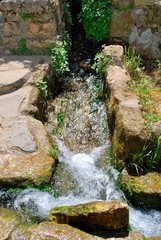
column 24, row 152
column 24, row 142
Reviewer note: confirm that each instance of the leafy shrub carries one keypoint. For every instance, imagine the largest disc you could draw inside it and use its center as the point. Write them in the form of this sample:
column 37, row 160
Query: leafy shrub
column 96, row 18
column 59, row 57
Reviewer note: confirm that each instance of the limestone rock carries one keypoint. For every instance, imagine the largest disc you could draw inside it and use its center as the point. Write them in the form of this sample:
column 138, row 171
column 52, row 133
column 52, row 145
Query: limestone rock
column 54, row 231
column 122, row 24
column 144, row 191
column 94, row 215
column 145, row 42
column 144, row 2
column 8, row 222
column 124, row 3
column 127, row 125
column 24, row 147
column 24, row 143
column 12, row 228
column 23, row 232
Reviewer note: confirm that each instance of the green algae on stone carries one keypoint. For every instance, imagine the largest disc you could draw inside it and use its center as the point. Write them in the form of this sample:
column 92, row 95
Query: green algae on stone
column 94, row 215
column 144, row 191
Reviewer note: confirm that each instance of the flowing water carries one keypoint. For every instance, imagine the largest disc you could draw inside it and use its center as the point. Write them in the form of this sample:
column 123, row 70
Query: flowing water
column 84, row 173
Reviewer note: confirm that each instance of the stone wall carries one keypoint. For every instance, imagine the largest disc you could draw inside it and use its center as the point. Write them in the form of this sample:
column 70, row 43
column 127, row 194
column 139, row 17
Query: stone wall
column 34, row 23
column 138, row 22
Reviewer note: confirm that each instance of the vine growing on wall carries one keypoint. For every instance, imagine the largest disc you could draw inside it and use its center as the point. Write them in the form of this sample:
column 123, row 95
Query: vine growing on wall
column 96, row 18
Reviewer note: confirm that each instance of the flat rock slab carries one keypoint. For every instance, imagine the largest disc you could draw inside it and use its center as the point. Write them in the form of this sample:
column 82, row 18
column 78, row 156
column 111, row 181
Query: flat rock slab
column 95, row 215
column 10, row 104
column 15, row 71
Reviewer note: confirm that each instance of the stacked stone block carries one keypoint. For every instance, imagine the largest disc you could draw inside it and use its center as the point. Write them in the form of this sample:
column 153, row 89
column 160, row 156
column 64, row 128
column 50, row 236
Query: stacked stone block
column 36, row 21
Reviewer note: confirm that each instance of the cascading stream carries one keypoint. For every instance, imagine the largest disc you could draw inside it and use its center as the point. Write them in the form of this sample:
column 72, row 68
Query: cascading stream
column 84, row 173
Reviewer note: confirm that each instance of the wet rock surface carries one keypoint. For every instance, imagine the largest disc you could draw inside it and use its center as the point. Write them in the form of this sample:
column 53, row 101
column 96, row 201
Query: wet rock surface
column 94, row 215
column 144, row 191
column 12, row 228
column 129, row 135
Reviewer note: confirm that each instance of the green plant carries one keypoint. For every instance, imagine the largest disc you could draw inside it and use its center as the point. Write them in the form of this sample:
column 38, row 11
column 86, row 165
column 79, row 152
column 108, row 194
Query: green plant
column 42, row 86
column 155, row 154
column 26, row 16
column 60, row 120
column 158, row 63
column 67, row 41
column 53, row 152
column 59, row 57
column 133, row 62
column 129, row 228
column 67, row 14
column 23, row 49
column 148, row 157
column 96, row 94
column 101, row 61
column 96, row 18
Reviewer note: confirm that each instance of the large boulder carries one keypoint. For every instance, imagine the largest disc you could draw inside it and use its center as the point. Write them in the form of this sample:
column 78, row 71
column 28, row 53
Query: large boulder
column 95, row 215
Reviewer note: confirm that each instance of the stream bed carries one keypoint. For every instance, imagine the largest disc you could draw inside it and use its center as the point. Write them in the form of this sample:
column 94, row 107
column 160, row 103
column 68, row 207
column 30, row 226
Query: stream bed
column 77, row 119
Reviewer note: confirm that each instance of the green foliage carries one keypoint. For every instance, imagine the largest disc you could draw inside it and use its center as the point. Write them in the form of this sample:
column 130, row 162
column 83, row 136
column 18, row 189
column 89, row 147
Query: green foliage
column 68, row 15
column 129, row 228
column 133, row 62
column 26, row 16
column 101, row 61
column 67, row 40
column 42, row 86
column 22, row 47
column 96, row 18
column 148, row 157
column 13, row 190
column 96, row 94
column 158, row 64
column 23, row 50
column 59, row 57
column 53, row 152
column 155, row 153
column 60, row 119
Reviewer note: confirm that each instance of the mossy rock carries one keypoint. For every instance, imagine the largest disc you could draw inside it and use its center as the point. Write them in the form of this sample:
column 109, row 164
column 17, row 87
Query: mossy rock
column 143, row 191
column 95, row 215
